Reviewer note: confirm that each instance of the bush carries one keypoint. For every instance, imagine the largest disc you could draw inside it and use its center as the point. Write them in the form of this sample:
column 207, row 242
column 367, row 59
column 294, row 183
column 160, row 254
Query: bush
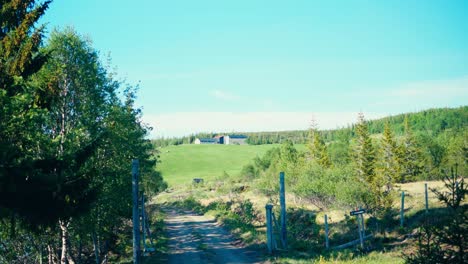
column 445, row 243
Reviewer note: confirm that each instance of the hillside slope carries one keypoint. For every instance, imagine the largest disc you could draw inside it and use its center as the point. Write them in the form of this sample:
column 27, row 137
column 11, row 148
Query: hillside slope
column 180, row 164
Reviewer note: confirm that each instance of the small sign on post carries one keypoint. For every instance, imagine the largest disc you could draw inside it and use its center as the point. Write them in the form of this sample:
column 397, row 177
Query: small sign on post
column 358, row 213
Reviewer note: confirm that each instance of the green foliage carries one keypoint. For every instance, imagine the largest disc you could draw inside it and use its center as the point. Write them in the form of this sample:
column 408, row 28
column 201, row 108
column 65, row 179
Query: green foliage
column 288, row 156
column 66, row 142
column 429, row 248
column 410, row 152
column 364, row 153
column 388, row 171
column 445, row 242
column 317, row 148
column 303, row 230
column 21, row 110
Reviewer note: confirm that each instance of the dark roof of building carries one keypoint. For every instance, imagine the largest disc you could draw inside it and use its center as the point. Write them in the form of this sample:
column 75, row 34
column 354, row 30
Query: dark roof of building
column 208, row 140
column 238, row 136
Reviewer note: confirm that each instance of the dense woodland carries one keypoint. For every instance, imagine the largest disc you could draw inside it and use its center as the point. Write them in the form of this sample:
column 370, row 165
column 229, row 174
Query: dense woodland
column 68, row 133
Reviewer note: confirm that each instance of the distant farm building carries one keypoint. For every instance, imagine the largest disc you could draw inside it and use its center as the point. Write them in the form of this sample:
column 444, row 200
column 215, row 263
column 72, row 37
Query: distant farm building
column 205, row 141
column 223, row 139
column 238, row 139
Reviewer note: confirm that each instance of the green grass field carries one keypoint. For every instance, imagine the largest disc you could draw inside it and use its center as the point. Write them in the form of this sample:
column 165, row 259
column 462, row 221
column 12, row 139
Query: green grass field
column 180, row 164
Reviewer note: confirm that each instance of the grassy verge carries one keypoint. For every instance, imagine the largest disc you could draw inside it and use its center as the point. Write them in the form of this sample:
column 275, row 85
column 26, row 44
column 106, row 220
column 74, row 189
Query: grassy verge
column 158, row 232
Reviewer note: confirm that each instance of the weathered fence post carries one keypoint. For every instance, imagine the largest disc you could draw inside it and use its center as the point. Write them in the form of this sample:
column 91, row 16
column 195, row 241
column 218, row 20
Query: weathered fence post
column 427, row 199
column 402, row 211
column 327, row 245
column 363, row 226
column 361, row 238
column 269, row 231
column 283, row 233
column 136, row 215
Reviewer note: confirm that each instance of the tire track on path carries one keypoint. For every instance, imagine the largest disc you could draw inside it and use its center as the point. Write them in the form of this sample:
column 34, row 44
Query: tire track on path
column 198, row 239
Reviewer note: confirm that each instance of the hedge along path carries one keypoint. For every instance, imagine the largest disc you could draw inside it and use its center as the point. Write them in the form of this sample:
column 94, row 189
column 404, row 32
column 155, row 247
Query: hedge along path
column 200, row 239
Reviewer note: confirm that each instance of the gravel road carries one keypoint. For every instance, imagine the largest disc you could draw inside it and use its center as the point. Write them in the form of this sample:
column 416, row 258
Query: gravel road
column 200, row 239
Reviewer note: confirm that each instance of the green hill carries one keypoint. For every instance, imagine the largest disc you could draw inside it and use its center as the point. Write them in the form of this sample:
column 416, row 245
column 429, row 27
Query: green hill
column 180, row 164
column 440, row 135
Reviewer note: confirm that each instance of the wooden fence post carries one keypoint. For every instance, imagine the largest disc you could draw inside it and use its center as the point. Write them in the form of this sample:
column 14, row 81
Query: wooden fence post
column 427, row 199
column 327, row 245
column 402, row 211
column 136, row 215
column 363, row 227
column 269, row 231
column 361, row 238
column 283, row 212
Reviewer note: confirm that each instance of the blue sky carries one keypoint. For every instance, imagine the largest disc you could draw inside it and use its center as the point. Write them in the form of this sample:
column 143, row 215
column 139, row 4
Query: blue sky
column 274, row 65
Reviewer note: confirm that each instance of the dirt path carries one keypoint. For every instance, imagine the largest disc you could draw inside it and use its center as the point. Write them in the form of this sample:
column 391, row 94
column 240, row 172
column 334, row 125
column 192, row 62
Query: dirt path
column 199, row 239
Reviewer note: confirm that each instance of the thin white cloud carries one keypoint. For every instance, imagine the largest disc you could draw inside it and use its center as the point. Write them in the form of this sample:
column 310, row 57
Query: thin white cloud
column 224, row 95
column 420, row 95
column 185, row 123
column 433, row 88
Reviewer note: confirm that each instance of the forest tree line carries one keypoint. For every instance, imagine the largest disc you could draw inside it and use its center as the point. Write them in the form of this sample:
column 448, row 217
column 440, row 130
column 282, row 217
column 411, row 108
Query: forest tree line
column 68, row 133
column 431, row 122
column 361, row 169
column 439, row 135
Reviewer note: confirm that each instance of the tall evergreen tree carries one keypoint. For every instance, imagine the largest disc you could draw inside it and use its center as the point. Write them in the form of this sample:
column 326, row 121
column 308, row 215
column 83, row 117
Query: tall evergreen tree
column 389, row 164
column 364, row 152
column 288, row 155
column 411, row 161
column 317, row 148
column 21, row 103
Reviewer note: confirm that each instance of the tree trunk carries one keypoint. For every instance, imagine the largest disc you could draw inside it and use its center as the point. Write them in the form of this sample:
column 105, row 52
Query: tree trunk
column 40, row 254
column 96, row 246
column 64, row 227
column 70, row 257
column 51, row 253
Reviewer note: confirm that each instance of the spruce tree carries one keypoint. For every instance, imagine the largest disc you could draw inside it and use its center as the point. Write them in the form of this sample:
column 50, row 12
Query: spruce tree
column 444, row 240
column 411, row 161
column 364, row 152
column 389, row 165
column 317, row 148
column 21, row 101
